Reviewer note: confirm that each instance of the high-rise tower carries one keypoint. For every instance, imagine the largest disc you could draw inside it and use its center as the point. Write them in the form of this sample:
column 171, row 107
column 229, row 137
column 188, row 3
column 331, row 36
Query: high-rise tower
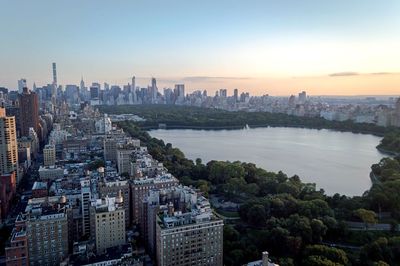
column 133, row 85
column 29, row 112
column 133, row 90
column 21, row 85
column 154, row 89
column 54, row 85
column 8, row 143
column 8, row 162
column 55, row 75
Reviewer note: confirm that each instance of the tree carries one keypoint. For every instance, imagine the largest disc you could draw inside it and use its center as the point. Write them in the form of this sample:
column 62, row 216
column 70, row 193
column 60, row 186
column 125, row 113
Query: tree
column 334, row 255
column 290, row 188
column 315, row 208
column 319, row 261
column 95, row 165
column 235, row 257
column 381, row 263
column 204, row 187
column 230, row 233
column 366, row 216
column 234, row 187
column 256, row 215
column 300, row 226
column 318, row 230
column 383, row 249
column 198, row 161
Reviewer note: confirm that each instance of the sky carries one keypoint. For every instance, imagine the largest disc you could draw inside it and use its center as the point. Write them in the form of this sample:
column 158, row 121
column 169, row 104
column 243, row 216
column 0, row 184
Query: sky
column 341, row 47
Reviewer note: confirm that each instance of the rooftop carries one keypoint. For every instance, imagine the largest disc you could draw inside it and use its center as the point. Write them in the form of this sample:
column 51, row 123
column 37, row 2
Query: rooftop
column 155, row 180
column 193, row 208
column 107, row 204
column 39, row 185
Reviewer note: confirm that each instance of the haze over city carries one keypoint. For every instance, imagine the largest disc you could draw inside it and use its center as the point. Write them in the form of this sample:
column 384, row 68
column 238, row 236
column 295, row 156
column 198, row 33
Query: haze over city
column 280, row 48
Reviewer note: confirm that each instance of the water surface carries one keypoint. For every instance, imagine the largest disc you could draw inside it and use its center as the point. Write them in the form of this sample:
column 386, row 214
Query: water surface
column 336, row 161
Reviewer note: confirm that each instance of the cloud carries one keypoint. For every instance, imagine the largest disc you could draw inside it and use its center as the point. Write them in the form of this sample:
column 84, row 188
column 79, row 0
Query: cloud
column 381, row 73
column 343, row 74
column 349, row 73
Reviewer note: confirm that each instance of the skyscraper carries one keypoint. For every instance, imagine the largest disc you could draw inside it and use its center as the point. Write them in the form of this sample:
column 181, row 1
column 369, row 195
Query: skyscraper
column 223, row 93
column 54, row 85
column 8, row 161
column 54, row 75
column 95, row 91
column 82, row 85
column 21, row 85
column 180, row 92
column 133, row 85
column 29, row 112
column 236, row 95
column 154, row 89
column 8, row 143
column 302, row 97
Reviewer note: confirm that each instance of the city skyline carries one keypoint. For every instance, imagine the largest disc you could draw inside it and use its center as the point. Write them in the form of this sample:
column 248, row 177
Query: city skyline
column 337, row 48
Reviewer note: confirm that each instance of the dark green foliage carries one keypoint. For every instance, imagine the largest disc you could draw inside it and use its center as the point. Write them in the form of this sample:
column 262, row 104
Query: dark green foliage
column 391, row 142
column 95, row 164
column 383, row 249
column 384, row 194
column 325, row 254
column 195, row 117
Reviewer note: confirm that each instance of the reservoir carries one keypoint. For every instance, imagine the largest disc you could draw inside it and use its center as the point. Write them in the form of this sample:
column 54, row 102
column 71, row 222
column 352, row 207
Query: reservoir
column 338, row 162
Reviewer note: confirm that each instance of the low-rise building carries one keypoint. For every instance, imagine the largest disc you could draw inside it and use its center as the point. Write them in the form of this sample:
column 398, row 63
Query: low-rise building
column 39, row 189
column 50, row 172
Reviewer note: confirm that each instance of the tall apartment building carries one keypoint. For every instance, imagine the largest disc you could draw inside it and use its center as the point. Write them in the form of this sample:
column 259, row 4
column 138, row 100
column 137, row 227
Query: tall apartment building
column 47, row 230
column 140, row 188
column 103, row 125
column 110, row 149
column 179, row 92
column 192, row 235
column 13, row 110
column 110, row 142
column 86, row 202
column 8, row 187
column 29, row 112
column 113, row 187
column 17, row 248
column 9, row 177
column 124, row 155
column 109, row 223
column 8, row 144
column 49, row 155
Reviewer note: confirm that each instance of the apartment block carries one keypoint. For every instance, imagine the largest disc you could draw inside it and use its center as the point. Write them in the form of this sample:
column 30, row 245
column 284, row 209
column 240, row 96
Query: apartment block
column 190, row 237
column 109, row 223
